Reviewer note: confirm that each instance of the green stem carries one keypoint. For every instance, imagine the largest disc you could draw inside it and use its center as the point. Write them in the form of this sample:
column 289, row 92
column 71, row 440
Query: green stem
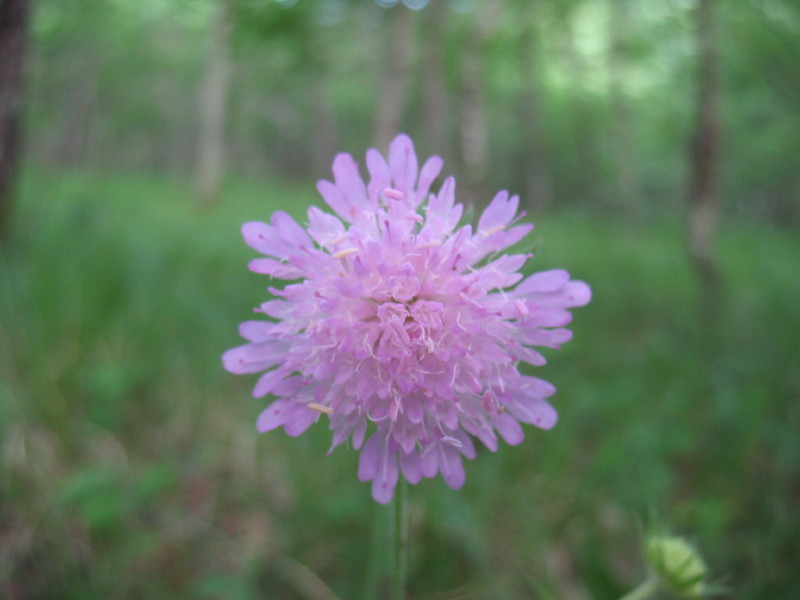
column 648, row 589
column 400, row 565
column 376, row 559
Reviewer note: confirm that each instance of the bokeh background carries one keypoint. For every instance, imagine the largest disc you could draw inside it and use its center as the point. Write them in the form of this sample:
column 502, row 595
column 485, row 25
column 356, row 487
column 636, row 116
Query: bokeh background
column 656, row 145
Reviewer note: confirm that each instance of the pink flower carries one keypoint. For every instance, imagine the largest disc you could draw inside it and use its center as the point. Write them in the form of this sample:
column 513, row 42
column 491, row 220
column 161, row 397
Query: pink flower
column 406, row 331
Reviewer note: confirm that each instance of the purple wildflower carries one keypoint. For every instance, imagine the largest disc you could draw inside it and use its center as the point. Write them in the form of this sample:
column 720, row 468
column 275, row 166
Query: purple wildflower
column 398, row 319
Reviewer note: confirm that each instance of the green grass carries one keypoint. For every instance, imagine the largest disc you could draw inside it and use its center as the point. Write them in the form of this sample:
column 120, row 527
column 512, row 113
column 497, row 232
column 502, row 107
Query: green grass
column 131, row 467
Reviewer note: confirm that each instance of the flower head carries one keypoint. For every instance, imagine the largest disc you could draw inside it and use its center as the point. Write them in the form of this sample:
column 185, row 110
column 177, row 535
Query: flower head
column 404, row 329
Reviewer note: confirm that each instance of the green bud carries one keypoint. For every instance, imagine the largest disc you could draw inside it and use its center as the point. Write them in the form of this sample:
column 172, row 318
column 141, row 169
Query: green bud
column 678, row 565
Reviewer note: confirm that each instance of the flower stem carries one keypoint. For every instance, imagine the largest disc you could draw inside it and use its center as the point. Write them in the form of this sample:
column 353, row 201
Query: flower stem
column 648, row 589
column 400, row 565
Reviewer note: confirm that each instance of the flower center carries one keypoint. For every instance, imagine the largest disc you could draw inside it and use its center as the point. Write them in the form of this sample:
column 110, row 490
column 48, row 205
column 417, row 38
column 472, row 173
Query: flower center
column 408, row 331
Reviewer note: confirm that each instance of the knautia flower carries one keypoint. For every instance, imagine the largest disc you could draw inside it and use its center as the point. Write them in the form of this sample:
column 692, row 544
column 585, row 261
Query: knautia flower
column 403, row 329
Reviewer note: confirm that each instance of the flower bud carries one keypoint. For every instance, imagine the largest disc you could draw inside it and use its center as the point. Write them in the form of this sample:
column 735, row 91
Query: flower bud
column 678, row 565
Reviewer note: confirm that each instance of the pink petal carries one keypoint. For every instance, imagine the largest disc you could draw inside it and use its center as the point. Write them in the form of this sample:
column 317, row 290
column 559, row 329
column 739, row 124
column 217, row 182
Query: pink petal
column 467, row 447
column 451, row 467
column 550, row 338
column 267, row 382
column 513, row 235
column 300, row 420
column 278, row 309
column 333, row 197
column 509, row 428
column 548, row 318
column 577, row 294
column 323, row 227
column 274, row 416
column 379, row 465
column 252, row 358
column 530, row 356
column 348, row 180
column 502, row 272
column 368, row 460
column 430, row 171
column 428, row 460
column 545, row 281
column 380, row 177
column 385, row 482
column 289, row 231
column 483, row 431
column 256, row 331
column 535, row 387
column 534, row 411
column 358, row 434
column 441, row 204
column 498, row 214
column 571, row 294
column 403, row 164
column 274, row 268
column 409, row 463
column 289, row 386
column 263, row 238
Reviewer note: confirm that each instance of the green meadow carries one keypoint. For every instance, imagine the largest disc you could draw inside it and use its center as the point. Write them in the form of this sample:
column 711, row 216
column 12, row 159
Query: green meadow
column 131, row 467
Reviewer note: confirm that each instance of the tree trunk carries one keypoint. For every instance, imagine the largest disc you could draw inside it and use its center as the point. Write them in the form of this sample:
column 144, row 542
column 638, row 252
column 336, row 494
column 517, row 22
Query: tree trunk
column 326, row 131
column 627, row 185
column 704, row 199
column 396, row 79
column 474, row 126
column 434, row 90
column 77, row 141
column 537, row 175
column 213, row 108
column 13, row 42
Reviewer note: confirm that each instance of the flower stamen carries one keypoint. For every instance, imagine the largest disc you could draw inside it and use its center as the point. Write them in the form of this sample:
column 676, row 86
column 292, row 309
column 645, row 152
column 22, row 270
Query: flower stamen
column 345, row 252
column 320, row 408
column 492, row 231
column 393, row 194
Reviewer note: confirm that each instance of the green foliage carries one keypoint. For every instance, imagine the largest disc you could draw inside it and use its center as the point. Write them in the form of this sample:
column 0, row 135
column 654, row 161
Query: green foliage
column 130, row 463
column 131, row 467
column 114, row 84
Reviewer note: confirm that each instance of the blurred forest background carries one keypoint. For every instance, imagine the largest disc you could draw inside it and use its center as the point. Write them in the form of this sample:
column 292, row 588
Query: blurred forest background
column 655, row 144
